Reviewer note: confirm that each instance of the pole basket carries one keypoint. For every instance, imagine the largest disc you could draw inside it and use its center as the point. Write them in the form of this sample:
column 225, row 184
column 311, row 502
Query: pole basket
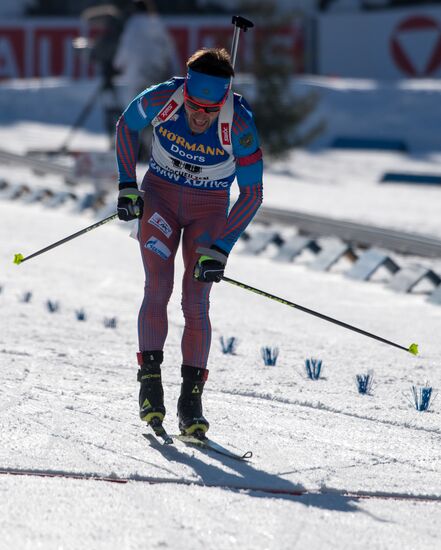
column 313, row 368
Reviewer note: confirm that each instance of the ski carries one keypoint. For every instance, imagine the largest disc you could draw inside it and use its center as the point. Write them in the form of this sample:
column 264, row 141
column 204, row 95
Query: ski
column 200, row 440
column 160, row 432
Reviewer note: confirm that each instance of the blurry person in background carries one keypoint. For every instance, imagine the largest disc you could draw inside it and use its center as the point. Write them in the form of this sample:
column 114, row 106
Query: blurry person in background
column 204, row 138
column 146, row 52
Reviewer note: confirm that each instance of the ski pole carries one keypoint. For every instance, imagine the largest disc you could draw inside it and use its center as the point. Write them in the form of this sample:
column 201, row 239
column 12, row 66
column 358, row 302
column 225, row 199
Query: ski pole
column 413, row 348
column 19, row 258
column 240, row 23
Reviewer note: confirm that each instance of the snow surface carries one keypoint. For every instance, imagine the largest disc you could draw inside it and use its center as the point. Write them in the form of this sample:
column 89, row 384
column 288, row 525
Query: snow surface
column 68, row 392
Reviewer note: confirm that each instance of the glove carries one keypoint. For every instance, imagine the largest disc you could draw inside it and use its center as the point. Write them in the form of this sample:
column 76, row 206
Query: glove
column 130, row 203
column 211, row 264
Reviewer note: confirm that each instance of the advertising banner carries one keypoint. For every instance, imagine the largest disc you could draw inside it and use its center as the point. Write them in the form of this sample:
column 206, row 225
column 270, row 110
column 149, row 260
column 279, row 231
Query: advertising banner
column 384, row 45
column 42, row 47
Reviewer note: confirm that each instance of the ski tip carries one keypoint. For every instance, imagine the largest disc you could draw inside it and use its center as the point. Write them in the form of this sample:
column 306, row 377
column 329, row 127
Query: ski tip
column 413, row 349
column 18, row 258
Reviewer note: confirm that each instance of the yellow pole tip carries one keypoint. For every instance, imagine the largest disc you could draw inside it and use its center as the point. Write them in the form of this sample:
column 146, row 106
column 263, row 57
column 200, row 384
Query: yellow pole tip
column 18, row 258
column 413, row 349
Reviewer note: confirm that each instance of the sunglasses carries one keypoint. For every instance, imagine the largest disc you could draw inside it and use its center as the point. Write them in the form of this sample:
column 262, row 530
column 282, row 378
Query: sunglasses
column 207, row 108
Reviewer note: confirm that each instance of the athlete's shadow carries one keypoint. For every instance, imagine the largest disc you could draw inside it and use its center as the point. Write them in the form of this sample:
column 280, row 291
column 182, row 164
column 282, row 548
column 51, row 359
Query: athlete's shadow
column 241, row 474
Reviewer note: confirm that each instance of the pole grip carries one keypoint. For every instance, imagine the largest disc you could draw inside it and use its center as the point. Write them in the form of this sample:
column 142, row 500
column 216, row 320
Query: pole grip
column 240, row 23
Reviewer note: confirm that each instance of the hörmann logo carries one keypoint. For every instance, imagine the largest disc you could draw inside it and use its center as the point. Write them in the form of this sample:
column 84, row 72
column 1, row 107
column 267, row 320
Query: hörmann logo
column 225, row 133
column 167, row 110
column 194, row 147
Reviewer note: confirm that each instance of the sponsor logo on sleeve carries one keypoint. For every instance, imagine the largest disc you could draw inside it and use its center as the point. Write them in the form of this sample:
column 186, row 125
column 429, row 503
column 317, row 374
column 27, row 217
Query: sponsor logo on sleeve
column 158, row 247
column 158, row 221
column 167, row 110
column 225, row 133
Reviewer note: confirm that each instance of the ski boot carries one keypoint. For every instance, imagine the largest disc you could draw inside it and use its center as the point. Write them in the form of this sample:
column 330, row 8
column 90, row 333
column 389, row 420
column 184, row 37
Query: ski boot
column 151, row 394
column 191, row 419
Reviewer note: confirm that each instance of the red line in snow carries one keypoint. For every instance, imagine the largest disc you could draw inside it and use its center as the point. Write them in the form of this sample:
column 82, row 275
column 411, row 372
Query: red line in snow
column 350, row 495
column 60, row 474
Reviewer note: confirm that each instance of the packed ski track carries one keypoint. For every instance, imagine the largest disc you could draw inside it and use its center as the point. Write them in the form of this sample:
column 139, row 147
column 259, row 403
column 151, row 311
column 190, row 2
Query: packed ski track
column 330, row 467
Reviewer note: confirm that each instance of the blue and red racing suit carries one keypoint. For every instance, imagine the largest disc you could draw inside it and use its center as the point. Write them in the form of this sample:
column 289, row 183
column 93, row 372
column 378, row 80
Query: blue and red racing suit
column 186, row 190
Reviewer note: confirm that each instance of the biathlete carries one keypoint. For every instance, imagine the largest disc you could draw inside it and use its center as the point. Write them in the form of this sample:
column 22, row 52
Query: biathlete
column 203, row 138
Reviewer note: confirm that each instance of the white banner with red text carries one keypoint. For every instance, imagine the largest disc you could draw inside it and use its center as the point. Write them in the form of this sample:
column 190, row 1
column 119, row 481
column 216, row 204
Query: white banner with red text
column 42, row 47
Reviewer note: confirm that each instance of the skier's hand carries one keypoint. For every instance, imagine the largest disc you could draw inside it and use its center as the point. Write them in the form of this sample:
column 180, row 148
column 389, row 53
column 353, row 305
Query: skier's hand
column 130, row 203
column 211, row 264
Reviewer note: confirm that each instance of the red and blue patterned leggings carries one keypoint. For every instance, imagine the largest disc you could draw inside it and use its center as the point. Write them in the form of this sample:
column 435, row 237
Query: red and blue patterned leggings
column 200, row 216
